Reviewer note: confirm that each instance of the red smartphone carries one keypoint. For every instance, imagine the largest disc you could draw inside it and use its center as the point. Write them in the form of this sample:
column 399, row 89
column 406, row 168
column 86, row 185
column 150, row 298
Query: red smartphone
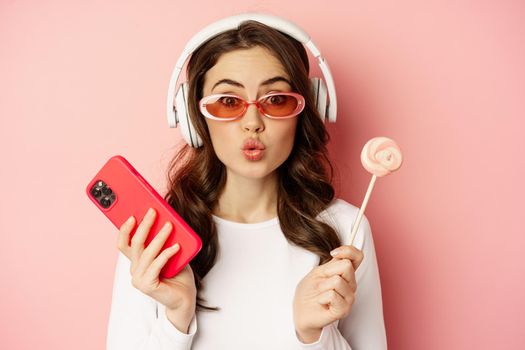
column 119, row 191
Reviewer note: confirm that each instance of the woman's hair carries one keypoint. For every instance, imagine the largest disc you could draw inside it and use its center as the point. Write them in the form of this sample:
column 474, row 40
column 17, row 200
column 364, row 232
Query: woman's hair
column 196, row 177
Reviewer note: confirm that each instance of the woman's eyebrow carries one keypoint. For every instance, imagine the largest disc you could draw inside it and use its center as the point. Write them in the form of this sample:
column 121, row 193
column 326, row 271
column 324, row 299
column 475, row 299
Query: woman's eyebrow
column 266, row 82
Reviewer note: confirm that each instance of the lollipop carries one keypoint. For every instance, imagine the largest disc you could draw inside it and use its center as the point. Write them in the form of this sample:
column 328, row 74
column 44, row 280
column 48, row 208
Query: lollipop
column 380, row 156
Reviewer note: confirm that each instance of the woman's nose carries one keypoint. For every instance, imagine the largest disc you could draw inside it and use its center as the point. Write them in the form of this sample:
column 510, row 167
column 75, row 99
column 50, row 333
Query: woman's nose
column 252, row 119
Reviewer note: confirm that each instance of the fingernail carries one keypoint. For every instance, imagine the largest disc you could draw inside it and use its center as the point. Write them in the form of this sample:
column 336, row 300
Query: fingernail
column 335, row 252
column 150, row 211
column 129, row 220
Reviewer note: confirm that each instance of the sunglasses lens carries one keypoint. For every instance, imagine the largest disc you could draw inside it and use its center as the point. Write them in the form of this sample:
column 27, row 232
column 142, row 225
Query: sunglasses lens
column 225, row 107
column 279, row 105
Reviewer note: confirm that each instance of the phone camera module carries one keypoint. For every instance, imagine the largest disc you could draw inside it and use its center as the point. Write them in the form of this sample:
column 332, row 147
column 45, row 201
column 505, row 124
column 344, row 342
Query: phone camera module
column 103, row 194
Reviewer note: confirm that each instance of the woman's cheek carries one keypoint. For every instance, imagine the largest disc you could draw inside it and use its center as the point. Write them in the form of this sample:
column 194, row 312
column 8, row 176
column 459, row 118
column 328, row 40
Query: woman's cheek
column 219, row 140
column 288, row 142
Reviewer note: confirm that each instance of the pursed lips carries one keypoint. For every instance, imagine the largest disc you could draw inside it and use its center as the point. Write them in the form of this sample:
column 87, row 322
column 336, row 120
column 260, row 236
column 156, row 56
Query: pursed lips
column 252, row 144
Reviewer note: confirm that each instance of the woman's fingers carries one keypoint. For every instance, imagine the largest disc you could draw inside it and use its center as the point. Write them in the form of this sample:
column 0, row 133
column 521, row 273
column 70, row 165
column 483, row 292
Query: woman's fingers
column 341, row 267
column 335, row 302
column 137, row 242
column 156, row 266
column 123, row 237
column 152, row 250
column 340, row 285
column 349, row 252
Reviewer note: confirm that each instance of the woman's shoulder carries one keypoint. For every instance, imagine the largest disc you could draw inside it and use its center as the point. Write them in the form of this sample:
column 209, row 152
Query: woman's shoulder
column 340, row 210
column 341, row 215
column 339, row 204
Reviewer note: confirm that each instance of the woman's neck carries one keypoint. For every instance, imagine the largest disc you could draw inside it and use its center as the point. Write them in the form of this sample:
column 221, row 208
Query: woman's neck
column 248, row 200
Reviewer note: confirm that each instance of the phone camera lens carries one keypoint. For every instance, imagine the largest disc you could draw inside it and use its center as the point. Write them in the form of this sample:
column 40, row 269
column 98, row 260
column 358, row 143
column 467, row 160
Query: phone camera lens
column 105, row 202
column 96, row 192
column 107, row 191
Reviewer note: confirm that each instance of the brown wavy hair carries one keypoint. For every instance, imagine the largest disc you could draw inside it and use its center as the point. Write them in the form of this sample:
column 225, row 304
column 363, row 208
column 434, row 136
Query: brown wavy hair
column 196, row 176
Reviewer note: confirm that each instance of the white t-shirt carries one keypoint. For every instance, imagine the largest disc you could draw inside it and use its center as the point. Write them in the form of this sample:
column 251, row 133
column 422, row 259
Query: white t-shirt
column 253, row 282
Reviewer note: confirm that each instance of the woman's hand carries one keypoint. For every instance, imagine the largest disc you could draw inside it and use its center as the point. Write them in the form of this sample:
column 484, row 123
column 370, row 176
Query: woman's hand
column 326, row 293
column 179, row 293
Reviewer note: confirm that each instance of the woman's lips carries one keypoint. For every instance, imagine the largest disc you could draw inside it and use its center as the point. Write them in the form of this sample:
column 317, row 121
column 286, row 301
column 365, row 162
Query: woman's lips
column 251, row 144
column 252, row 149
column 253, row 154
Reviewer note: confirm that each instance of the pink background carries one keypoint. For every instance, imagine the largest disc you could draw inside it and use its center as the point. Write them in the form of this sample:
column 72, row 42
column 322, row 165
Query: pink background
column 81, row 81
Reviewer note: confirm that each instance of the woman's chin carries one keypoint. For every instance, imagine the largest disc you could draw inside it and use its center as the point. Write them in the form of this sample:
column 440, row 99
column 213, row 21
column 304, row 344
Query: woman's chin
column 252, row 172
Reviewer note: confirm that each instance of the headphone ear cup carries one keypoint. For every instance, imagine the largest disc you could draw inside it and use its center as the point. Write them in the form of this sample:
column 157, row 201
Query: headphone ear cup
column 320, row 95
column 189, row 134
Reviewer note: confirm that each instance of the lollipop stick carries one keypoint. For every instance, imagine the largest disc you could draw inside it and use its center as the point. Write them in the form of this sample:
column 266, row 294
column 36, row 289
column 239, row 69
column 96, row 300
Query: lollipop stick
column 362, row 209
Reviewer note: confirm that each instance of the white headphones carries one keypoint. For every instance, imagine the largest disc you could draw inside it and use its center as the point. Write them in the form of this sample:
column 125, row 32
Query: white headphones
column 177, row 105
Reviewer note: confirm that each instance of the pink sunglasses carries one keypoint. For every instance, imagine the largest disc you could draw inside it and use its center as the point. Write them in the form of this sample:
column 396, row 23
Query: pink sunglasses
column 275, row 105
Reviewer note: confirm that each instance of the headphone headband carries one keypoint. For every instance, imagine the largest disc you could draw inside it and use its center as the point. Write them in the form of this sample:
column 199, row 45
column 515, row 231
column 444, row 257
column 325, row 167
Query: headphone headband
column 233, row 22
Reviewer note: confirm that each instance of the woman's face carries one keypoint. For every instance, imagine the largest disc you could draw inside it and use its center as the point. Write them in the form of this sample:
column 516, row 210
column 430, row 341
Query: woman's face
column 250, row 73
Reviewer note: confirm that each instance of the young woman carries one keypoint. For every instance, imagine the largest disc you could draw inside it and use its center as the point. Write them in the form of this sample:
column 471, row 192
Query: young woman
column 259, row 194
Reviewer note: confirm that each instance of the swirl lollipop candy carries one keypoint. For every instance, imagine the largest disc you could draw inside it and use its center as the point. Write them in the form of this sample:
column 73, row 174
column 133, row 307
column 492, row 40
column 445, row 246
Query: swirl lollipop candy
column 380, row 156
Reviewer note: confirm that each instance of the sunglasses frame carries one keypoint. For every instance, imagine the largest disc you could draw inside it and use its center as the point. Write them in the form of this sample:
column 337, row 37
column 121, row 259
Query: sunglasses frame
column 297, row 111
